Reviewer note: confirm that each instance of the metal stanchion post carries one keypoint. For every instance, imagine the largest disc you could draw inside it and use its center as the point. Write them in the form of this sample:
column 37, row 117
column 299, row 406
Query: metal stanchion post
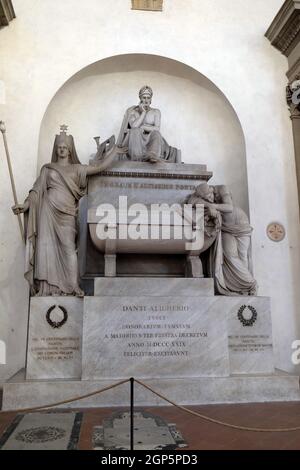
column 132, row 413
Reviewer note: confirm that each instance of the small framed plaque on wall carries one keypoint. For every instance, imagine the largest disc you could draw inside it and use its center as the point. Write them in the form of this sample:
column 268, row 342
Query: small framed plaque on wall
column 276, row 232
column 148, row 5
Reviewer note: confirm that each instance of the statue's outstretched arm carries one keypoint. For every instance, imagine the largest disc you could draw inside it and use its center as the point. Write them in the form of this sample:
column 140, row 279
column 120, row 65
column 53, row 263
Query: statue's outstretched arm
column 110, row 157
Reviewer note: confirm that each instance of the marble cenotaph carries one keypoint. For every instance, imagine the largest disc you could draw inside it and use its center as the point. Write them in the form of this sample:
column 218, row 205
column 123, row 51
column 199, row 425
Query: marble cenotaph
column 139, row 267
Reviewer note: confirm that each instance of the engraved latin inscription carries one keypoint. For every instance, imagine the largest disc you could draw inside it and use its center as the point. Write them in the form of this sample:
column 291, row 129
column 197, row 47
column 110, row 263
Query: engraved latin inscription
column 55, row 349
column 116, row 184
column 155, row 335
column 249, row 343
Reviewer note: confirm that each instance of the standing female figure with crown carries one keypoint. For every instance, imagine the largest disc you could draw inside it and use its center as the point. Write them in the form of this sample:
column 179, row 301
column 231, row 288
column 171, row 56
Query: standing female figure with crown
column 50, row 210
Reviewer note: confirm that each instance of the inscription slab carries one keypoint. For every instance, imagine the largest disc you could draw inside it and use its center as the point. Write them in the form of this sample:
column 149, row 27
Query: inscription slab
column 55, row 338
column 250, row 335
column 148, row 5
column 151, row 337
column 140, row 181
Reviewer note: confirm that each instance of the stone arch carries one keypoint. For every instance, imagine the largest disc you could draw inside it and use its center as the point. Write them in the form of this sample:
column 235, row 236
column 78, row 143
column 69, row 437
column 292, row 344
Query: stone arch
column 196, row 115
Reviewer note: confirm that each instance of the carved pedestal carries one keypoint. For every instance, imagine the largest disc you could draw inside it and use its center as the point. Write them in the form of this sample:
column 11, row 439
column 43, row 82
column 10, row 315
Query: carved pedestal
column 182, row 340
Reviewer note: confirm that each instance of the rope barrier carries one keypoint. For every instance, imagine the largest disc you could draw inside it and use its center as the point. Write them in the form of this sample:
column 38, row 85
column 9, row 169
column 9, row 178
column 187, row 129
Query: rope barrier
column 215, row 421
column 64, row 402
column 180, row 407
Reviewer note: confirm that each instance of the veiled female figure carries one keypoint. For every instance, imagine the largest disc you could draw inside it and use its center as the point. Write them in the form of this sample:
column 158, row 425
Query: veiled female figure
column 50, row 210
column 233, row 270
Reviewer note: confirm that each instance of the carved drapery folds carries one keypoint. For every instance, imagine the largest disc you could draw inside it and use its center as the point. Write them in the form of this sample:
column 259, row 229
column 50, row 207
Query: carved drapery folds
column 7, row 12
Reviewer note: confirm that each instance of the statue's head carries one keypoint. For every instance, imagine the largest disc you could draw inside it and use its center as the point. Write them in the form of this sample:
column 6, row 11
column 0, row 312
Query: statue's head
column 145, row 95
column 64, row 147
column 206, row 192
column 220, row 192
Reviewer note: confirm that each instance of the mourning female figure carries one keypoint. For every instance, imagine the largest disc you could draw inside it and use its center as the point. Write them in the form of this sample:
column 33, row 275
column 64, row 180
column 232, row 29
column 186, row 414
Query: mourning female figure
column 50, row 211
column 230, row 259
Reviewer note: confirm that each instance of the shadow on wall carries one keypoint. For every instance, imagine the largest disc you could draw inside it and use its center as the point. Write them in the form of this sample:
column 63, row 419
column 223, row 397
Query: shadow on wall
column 2, row 92
column 2, row 353
column 196, row 116
column 13, row 316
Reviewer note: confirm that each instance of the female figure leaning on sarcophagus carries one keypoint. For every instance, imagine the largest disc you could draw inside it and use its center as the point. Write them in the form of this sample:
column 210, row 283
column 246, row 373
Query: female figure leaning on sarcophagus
column 230, row 257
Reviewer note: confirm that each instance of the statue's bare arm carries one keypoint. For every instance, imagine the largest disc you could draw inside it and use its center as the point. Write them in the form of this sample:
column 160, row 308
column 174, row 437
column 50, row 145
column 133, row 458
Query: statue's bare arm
column 226, row 206
column 137, row 121
column 157, row 122
column 22, row 208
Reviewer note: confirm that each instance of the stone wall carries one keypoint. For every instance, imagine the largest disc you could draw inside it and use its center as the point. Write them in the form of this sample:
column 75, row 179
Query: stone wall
column 51, row 41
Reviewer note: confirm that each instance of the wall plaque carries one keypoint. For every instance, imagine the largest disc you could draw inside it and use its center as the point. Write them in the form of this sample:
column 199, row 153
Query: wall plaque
column 55, row 337
column 249, row 335
column 276, row 232
column 148, row 5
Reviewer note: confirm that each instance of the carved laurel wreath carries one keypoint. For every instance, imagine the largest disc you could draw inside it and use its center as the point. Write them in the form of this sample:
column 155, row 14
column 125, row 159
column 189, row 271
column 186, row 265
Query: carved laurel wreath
column 246, row 321
column 57, row 324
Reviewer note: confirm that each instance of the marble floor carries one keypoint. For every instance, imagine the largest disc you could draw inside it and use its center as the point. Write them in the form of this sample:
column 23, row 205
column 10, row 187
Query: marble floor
column 202, row 435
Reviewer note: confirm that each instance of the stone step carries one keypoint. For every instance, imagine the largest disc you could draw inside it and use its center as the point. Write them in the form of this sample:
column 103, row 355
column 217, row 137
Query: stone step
column 278, row 387
column 155, row 286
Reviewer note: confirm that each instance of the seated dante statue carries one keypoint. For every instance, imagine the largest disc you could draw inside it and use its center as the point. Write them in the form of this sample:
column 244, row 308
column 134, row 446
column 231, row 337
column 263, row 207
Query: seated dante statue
column 140, row 136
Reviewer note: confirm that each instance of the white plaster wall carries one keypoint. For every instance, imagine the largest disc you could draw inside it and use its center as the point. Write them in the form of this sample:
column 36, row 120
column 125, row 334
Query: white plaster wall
column 50, row 41
column 2, row 92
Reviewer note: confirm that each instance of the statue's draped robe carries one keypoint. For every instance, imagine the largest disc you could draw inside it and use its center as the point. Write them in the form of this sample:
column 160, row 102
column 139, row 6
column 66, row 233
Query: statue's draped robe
column 231, row 258
column 51, row 259
column 140, row 145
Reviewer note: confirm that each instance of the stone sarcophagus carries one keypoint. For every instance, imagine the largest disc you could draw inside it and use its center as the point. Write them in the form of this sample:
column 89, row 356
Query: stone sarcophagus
column 157, row 230
column 132, row 221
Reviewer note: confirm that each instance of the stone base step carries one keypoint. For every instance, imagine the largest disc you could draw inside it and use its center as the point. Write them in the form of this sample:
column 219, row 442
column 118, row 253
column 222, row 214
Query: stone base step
column 18, row 393
column 154, row 287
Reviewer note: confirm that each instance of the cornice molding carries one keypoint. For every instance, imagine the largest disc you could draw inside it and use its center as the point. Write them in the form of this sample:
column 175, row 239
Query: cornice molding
column 205, row 175
column 7, row 12
column 284, row 32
